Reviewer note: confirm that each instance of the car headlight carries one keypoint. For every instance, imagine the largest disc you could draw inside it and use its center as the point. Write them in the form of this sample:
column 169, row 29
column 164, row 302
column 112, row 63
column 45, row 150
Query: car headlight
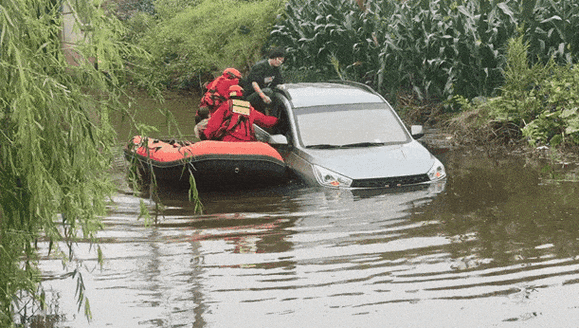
column 437, row 171
column 329, row 178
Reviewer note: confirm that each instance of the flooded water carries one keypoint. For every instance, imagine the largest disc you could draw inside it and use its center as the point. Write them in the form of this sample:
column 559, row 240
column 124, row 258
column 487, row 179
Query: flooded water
column 496, row 245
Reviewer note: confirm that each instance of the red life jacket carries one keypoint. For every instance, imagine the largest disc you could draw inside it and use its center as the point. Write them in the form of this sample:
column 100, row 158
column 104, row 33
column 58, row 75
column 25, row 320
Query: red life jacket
column 236, row 122
column 217, row 92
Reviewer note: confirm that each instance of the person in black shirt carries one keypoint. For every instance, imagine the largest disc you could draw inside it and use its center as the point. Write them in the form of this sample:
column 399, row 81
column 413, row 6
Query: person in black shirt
column 263, row 77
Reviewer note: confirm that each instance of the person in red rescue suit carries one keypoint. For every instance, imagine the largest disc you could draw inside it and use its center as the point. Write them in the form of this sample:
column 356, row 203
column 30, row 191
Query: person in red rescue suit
column 233, row 120
column 217, row 93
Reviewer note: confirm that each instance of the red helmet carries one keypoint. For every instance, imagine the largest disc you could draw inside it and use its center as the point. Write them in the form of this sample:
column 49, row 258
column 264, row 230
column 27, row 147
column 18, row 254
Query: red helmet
column 235, row 91
column 231, row 73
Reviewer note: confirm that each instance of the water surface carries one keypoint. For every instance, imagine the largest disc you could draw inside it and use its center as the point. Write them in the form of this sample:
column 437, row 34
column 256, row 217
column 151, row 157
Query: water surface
column 496, row 245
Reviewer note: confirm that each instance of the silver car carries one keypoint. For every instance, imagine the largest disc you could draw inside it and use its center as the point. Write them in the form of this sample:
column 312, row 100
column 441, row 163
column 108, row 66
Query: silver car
column 346, row 135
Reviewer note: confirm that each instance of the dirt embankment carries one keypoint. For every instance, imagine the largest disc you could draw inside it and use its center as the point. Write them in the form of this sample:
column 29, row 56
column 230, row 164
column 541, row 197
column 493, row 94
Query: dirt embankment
column 466, row 132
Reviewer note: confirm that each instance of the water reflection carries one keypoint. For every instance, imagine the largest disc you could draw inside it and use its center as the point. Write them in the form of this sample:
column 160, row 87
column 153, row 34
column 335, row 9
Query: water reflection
column 173, row 117
column 494, row 246
column 507, row 214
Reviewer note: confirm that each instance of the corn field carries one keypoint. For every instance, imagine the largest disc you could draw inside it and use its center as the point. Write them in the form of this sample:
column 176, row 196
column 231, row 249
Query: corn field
column 435, row 49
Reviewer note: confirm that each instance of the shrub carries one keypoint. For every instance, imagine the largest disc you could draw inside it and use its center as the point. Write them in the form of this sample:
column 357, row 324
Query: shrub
column 209, row 37
column 540, row 101
column 557, row 122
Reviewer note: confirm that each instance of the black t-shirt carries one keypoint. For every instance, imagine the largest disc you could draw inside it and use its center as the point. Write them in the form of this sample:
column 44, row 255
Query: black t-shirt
column 264, row 74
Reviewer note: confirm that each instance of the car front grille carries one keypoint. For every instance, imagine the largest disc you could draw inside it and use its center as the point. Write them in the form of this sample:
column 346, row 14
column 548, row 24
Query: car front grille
column 390, row 182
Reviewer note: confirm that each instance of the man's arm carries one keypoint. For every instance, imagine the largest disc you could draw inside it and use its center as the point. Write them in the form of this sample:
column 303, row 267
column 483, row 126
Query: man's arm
column 262, row 95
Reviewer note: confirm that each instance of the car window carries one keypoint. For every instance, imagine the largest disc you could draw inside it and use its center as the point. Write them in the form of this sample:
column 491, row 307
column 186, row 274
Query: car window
column 363, row 124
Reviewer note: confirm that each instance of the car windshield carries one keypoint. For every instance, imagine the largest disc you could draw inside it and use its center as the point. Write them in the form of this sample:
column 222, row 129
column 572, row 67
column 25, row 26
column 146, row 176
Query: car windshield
column 355, row 125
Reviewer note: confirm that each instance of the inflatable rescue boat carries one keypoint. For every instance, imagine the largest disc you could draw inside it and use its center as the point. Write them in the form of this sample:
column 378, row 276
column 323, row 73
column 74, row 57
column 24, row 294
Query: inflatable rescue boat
column 214, row 164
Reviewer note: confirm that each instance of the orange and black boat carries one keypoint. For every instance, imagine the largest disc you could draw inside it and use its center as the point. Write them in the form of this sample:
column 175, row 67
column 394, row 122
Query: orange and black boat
column 214, row 164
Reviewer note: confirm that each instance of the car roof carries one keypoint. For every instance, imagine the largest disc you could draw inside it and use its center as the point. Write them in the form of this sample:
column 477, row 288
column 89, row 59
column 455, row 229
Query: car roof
column 330, row 93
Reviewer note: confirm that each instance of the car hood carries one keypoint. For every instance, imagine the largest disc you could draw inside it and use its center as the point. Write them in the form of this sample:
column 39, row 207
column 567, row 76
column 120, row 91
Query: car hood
column 375, row 162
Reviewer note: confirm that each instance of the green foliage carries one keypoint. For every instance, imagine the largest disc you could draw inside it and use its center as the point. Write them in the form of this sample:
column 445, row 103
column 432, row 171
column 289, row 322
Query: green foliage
column 557, row 122
column 55, row 138
column 540, row 100
column 209, row 37
column 167, row 9
column 437, row 49
column 194, row 194
column 125, row 8
column 519, row 102
column 330, row 38
column 551, row 29
column 139, row 24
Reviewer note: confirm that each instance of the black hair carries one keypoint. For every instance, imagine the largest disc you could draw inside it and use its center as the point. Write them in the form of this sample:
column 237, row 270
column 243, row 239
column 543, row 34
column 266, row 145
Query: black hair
column 276, row 52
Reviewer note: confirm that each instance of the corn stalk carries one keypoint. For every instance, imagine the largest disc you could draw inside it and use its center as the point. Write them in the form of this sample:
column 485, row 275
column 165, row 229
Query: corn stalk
column 436, row 49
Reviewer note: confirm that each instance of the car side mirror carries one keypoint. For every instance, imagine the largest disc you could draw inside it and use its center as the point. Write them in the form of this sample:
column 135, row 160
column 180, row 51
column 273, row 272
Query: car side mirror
column 277, row 139
column 417, row 131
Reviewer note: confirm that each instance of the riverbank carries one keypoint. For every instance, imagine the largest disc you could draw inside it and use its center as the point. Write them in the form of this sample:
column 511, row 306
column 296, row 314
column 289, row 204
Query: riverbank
column 445, row 135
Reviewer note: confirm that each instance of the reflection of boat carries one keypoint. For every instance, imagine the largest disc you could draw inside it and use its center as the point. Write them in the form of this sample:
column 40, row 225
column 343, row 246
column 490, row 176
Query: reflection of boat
column 212, row 163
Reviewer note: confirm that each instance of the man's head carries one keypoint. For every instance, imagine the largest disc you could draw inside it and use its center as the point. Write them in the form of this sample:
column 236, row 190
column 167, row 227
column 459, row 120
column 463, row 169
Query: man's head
column 276, row 56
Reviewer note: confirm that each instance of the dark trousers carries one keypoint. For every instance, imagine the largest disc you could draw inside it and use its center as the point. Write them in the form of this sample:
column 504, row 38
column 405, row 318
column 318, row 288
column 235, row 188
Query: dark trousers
column 257, row 103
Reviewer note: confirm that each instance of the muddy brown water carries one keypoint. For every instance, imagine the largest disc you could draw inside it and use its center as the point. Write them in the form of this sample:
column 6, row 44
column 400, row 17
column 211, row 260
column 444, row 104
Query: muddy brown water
column 496, row 245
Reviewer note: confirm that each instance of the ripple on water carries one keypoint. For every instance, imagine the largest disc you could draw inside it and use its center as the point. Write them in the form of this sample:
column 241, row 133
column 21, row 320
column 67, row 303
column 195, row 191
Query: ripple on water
column 304, row 257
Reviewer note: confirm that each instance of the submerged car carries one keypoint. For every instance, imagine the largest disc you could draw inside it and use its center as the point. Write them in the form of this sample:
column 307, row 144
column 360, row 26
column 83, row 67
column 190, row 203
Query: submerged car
column 346, row 135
